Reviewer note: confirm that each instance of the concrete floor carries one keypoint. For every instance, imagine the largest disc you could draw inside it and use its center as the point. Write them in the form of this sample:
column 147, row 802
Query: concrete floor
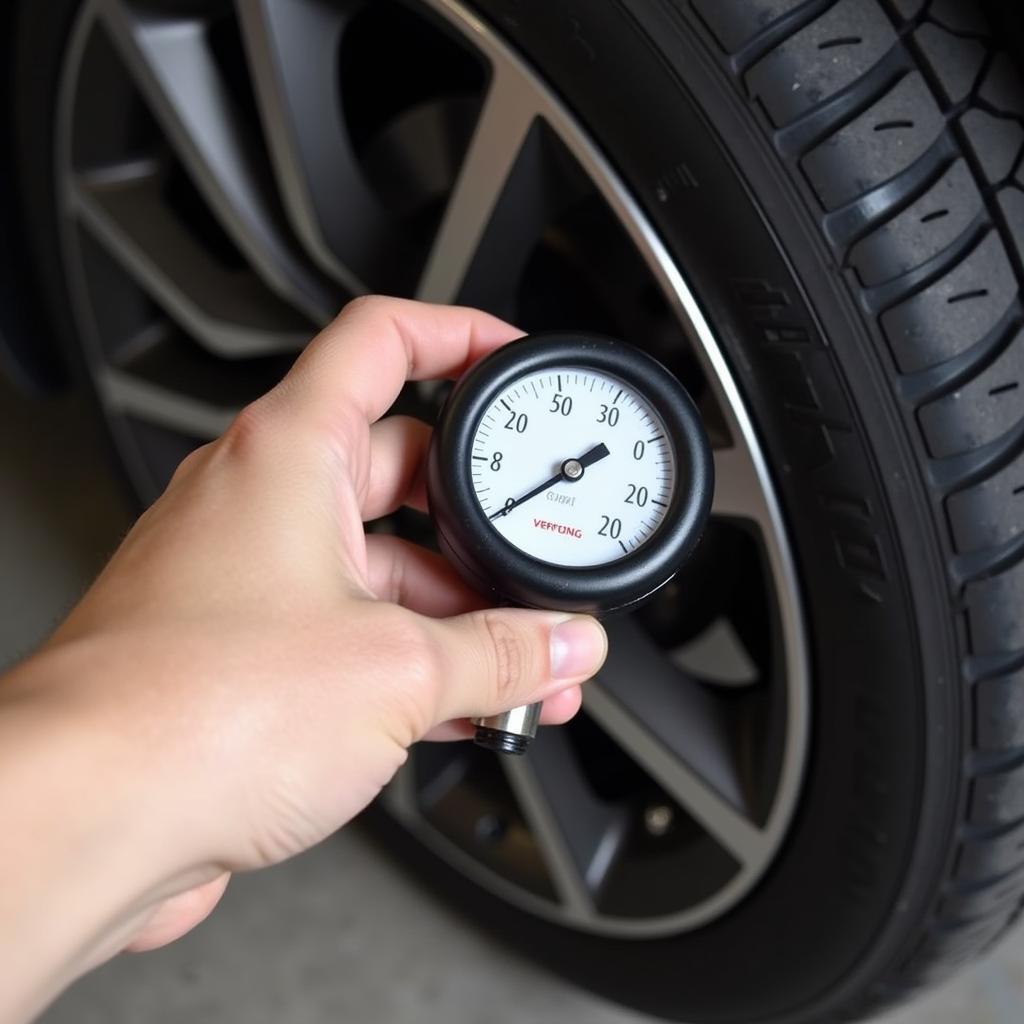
column 336, row 935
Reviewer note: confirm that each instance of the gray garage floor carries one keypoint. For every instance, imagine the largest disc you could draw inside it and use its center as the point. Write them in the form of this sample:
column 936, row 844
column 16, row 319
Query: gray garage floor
column 336, row 935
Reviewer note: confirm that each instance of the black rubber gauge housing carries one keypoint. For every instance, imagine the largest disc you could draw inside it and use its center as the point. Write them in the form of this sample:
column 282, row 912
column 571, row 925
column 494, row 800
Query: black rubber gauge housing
column 501, row 571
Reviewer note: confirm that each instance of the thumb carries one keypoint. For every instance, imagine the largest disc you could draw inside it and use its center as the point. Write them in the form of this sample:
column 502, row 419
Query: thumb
column 500, row 658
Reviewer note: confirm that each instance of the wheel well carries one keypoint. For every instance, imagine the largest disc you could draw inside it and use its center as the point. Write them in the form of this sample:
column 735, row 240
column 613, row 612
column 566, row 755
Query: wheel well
column 29, row 354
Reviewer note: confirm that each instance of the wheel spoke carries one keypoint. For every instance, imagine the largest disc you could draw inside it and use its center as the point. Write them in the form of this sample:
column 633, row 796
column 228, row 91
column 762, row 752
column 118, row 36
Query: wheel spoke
column 293, row 54
column 399, row 795
column 733, row 830
column 578, row 835
column 171, row 62
column 738, row 489
column 146, row 401
column 230, row 313
column 497, row 140
column 675, row 731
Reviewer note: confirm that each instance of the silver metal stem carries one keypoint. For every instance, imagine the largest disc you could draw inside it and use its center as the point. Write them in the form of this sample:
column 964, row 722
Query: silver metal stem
column 511, row 731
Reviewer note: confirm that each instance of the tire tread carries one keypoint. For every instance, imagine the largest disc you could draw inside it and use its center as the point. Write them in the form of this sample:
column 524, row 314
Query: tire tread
column 913, row 150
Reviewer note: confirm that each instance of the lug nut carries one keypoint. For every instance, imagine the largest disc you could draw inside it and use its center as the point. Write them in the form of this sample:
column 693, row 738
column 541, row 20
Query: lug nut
column 489, row 828
column 658, row 819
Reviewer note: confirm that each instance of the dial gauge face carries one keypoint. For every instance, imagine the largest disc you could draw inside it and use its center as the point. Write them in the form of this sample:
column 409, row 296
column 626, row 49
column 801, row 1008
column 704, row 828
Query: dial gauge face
column 573, row 467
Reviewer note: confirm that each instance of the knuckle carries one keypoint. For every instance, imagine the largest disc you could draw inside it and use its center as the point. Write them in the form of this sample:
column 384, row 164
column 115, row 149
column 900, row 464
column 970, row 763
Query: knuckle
column 247, row 430
column 422, row 654
column 421, row 673
column 191, row 463
column 364, row 305
column 408, row 636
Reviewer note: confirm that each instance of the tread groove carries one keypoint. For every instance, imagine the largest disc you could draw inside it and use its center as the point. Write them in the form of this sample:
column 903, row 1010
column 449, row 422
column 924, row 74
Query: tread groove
column 980, row 886
column 979, row 667
column 955, row 472
column 986, row 763
column 960, row 33
column 848, row 224
column 978, row 565
column 877, row 299
column 949, row 926
column 841, row 41
column 977, row 293
column 935, row 381
column 975, row 833
column 813, row 126
column 777, row 32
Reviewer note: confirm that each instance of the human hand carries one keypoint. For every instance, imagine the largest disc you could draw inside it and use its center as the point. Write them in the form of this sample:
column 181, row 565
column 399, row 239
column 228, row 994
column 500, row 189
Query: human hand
column 258, row 665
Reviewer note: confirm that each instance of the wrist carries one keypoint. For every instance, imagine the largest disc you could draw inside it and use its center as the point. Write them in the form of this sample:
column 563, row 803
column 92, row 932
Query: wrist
column 87, row 849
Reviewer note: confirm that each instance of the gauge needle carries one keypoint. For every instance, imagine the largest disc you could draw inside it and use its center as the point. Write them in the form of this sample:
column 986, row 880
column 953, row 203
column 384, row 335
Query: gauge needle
column 598, row 452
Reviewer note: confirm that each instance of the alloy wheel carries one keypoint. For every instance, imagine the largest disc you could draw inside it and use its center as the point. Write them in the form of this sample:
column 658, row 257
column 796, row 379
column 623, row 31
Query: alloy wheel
column 231, row 173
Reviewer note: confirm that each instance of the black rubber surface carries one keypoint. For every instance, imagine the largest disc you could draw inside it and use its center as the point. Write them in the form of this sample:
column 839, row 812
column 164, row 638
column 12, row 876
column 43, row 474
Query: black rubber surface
column 928, row 176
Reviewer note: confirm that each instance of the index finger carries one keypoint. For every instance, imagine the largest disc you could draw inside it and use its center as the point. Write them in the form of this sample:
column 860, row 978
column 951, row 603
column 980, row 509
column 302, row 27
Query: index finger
column 376, row 344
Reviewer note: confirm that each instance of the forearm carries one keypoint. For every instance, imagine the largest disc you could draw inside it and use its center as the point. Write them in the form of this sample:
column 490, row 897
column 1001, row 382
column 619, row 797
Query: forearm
column 204, row 709
column 81, row 861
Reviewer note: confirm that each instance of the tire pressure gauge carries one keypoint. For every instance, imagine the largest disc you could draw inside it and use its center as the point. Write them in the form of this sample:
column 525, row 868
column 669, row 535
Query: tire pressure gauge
column 569, row 472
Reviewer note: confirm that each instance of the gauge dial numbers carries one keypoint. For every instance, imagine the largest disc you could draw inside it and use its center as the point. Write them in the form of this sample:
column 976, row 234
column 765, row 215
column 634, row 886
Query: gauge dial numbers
column 573, row 466
column 569, row 471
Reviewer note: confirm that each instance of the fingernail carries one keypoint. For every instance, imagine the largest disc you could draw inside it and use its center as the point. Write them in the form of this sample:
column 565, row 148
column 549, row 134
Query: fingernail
column 578, row 648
